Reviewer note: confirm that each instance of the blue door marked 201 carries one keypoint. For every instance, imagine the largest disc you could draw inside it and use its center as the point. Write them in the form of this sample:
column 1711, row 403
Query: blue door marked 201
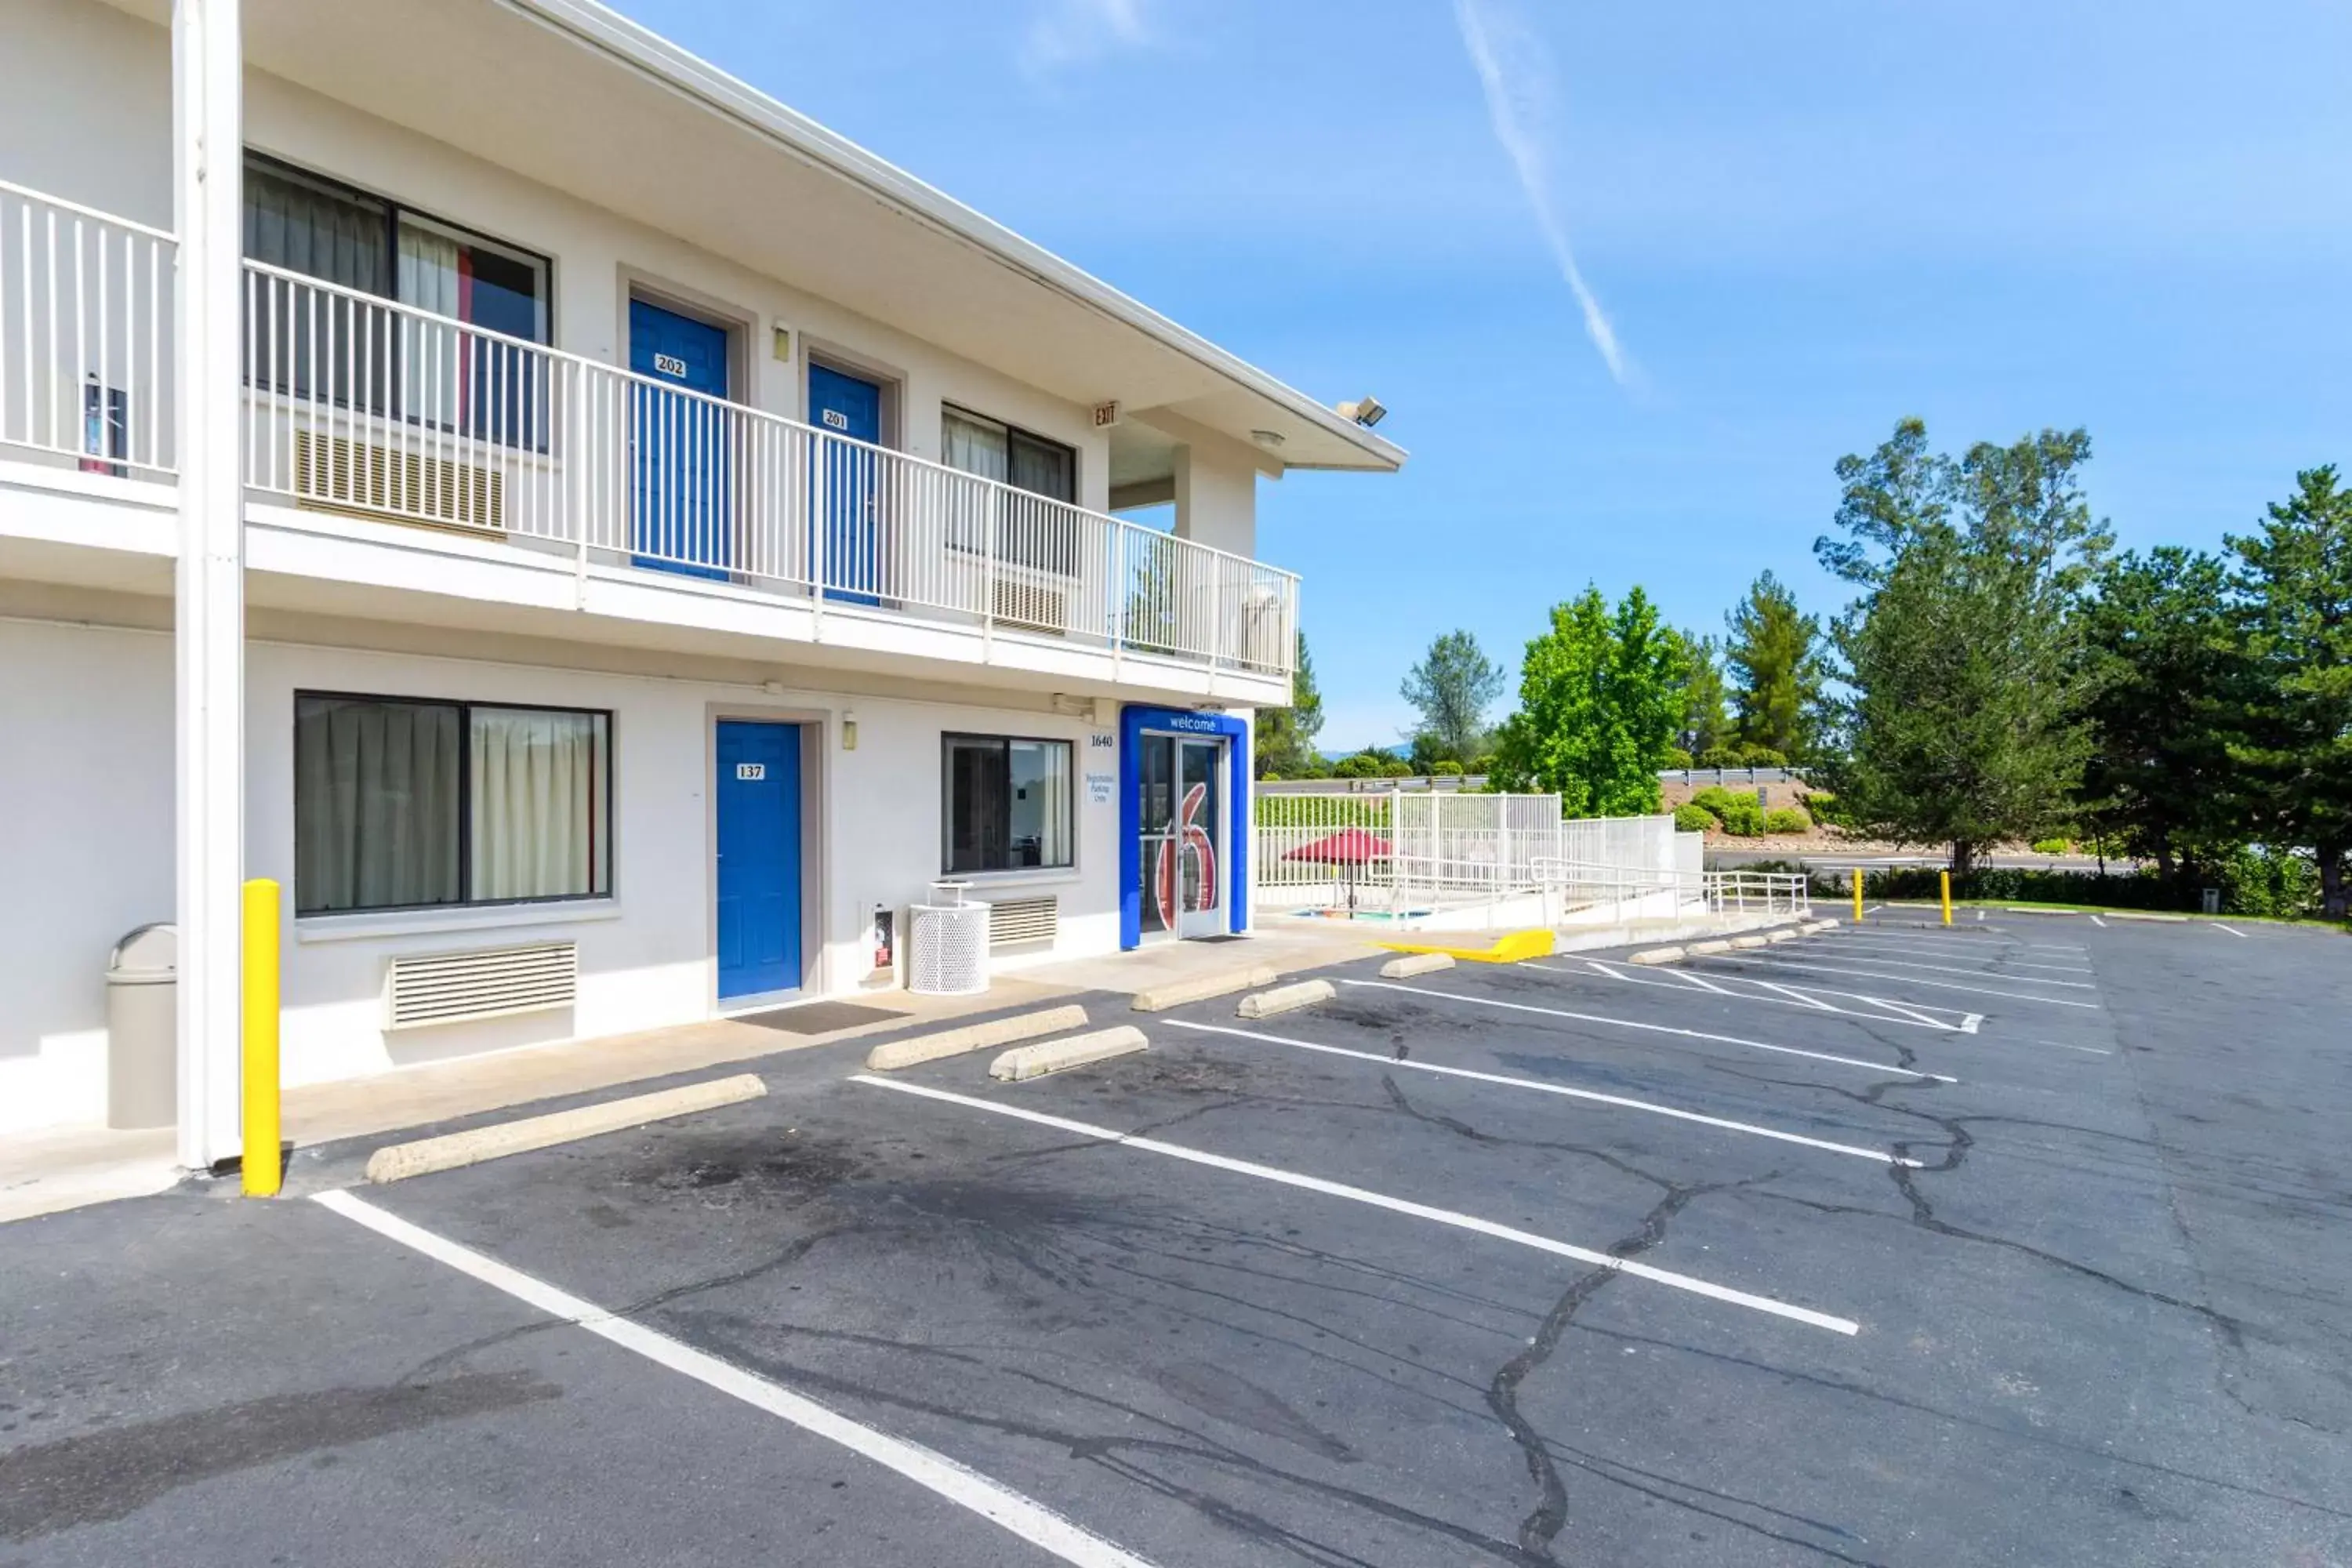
column 759, row 804
column 848, row 483
column 681, row 448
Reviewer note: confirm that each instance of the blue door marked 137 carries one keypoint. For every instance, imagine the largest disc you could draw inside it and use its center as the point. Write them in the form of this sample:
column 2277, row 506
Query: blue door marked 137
column 681, row 448
column 842, row 515
column 758, row 808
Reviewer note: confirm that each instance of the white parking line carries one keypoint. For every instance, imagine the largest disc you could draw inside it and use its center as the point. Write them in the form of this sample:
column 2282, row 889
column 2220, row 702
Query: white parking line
column 1948, row 969
column 1908, row 1014
column 1903, row 979
column 1951, row 947
column 2233, row 931
column 1651, row 1028
column 1540, row 1086
column 2098, row 923
column 1031, row 1520
column 1691, row 1283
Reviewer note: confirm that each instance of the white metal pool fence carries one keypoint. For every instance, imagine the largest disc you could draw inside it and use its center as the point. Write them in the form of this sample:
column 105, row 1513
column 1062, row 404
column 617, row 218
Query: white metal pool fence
column 1408, row 854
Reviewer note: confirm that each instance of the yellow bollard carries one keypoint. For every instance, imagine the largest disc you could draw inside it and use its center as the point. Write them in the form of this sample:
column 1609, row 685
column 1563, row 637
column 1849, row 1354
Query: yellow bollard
column 260, row 1163
column 1948, row 898
column 1857, row 895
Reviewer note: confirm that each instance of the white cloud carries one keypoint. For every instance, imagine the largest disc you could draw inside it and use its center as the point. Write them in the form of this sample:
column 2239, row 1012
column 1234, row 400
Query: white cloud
column 1515, row 71
column 1067, row 33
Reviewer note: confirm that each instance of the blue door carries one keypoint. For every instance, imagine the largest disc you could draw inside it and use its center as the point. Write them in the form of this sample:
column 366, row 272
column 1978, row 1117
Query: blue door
column 682, row 447
column 845, row 500
column 759, row 804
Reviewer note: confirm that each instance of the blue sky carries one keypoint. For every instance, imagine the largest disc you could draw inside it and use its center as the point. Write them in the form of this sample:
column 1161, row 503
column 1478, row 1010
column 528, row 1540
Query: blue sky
column 1799, row 223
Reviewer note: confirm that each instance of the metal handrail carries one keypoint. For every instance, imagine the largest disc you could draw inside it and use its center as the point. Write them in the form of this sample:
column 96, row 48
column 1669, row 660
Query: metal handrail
column 621, row 372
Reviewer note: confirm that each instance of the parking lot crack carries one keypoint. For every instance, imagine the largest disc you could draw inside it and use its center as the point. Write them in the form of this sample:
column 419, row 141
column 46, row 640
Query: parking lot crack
column 1542, row 1526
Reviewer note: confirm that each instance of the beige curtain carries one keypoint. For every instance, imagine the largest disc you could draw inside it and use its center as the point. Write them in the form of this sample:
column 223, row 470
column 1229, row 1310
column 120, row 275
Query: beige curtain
column 540, row 828
column 375, row 804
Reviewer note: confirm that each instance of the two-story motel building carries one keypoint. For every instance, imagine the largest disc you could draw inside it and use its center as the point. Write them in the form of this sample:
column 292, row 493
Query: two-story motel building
column 594, row 536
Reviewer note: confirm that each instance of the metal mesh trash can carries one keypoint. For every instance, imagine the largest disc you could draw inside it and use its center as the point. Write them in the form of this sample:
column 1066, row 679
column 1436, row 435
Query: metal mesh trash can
column 142, row 1032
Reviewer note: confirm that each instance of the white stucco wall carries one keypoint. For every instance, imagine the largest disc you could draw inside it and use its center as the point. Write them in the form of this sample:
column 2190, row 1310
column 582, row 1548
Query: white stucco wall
column 85, row 849
column 85, row 113
column 86, row 803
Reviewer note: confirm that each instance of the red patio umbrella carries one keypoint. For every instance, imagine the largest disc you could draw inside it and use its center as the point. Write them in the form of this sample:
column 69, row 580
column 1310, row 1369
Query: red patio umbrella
column 1349, row 849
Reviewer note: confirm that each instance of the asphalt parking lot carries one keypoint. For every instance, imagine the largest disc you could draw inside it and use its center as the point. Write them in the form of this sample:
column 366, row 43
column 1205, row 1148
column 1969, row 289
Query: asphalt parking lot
column 2021, row 1243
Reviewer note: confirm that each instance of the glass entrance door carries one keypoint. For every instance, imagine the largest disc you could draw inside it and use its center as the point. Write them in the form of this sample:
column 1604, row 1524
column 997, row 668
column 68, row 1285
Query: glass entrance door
column 1183, row 832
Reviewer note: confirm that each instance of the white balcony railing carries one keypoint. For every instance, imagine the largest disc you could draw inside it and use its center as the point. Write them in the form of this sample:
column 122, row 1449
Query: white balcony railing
column 85, row 335
column 361, row 405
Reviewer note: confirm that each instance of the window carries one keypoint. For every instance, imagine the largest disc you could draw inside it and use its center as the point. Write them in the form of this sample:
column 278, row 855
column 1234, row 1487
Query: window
column 1027, row 534
column 1006, row 804
column 407, row 804
column 312, row 342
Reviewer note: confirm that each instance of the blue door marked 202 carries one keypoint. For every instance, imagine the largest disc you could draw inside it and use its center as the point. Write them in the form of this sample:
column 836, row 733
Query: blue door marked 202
column 681, row 448
column 847, row 494
column 758, row 802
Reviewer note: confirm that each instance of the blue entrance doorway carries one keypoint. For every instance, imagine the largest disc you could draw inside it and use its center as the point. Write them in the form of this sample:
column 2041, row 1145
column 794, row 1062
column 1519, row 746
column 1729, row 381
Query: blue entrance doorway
column 758, row 793
column 681, row 447
column 845, row 499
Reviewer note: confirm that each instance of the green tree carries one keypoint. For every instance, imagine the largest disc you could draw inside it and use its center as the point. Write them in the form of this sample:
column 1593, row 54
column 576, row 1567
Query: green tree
column 1600, row 696
column 1703, row 727
column 1773, row 652
column 2167, row 682
column 1452, row 687
column 1964, row 719
column 2295, row 584
column 1285, row 736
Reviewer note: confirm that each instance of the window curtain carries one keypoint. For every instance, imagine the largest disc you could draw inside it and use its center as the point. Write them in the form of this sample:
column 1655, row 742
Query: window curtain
column 1042, row 468
column 432, row 355
column 375, row 804
column 973, row 447
column 540, row 812
column 291, row 223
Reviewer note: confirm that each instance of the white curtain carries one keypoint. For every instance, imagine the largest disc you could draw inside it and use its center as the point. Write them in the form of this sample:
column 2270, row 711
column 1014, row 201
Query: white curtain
column 975, row 446
column 429, row 271
column 540, row 828
column 972, row 446
column 375, row 804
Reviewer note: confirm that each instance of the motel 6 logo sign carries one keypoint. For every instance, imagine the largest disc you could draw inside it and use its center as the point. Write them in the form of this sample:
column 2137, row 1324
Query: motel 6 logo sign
column 1189, row 839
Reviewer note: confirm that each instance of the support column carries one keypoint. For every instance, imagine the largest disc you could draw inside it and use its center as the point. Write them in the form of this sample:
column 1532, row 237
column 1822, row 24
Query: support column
column 208, row 154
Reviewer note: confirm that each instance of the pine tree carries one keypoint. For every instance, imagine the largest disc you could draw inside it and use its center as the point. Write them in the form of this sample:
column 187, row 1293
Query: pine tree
column 1963, row 656
column 1773, row 653
column 2294, row 581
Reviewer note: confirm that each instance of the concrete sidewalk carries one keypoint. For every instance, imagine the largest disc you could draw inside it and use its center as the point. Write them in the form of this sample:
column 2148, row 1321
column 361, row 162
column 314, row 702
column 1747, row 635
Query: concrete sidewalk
column 45, row 1171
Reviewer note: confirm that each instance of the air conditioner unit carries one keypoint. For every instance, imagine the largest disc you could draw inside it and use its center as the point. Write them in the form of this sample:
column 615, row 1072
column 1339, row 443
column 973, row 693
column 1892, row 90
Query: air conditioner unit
column 949, row 945
column 1012, row 923
column 1263, row 644
column 1030, row 606
column 423, row 989
column 333, row 474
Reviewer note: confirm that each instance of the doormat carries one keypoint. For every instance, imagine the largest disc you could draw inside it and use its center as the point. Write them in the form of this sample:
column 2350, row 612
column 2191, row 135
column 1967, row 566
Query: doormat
column 1224, row 936
column 820, row 1018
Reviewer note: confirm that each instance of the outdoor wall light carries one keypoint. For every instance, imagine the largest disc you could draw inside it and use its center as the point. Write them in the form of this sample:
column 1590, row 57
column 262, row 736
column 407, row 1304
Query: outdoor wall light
column 848, row 731
column 1366, row 411
column 1269, row 439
